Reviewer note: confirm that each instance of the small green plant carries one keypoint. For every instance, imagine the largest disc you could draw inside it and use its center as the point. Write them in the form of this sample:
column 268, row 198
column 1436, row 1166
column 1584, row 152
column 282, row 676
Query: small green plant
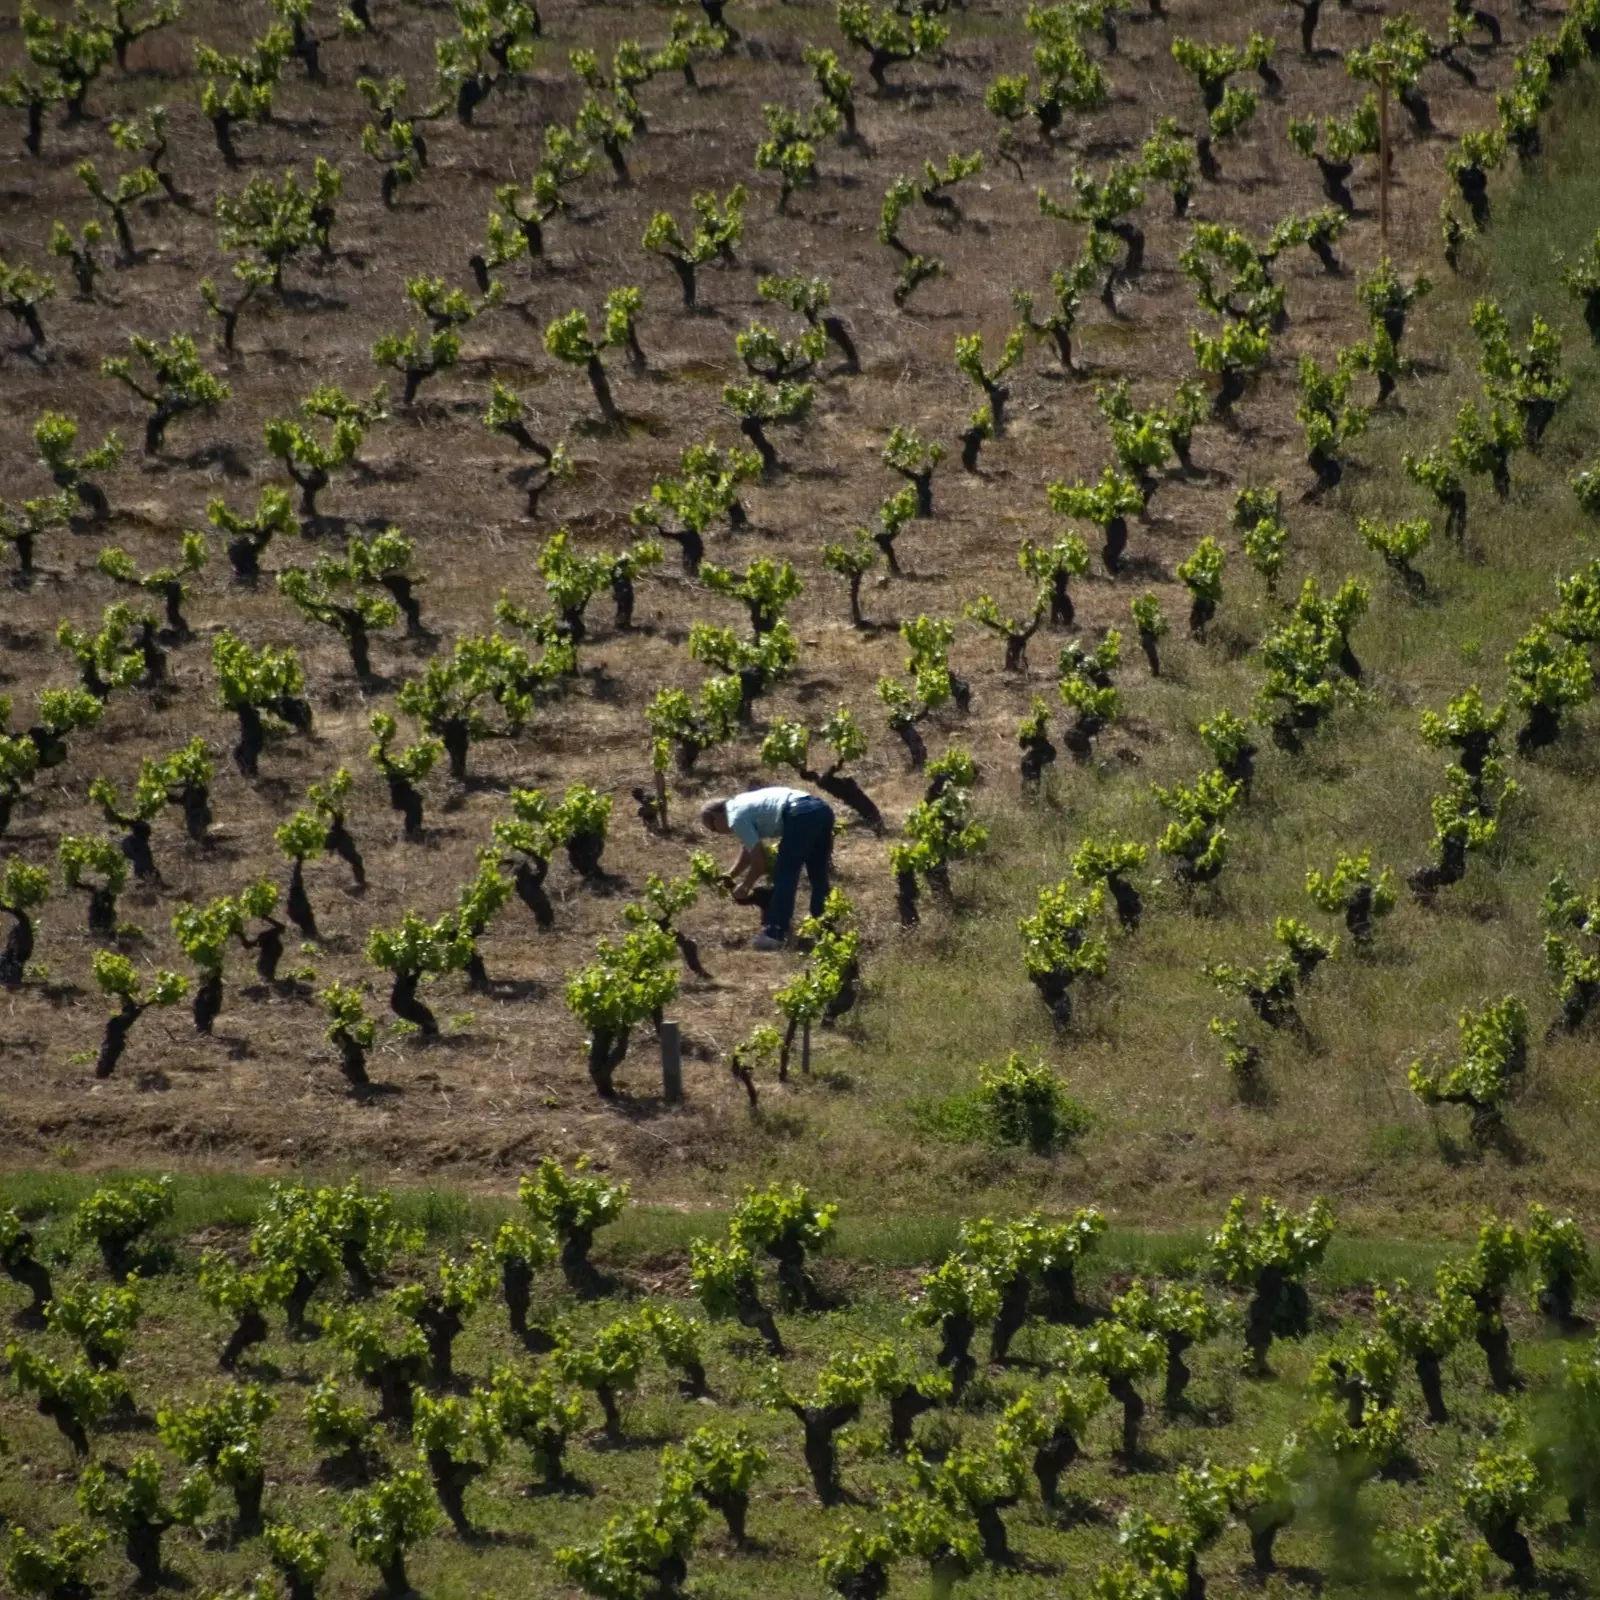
column 1435, row 472
column 1067, row 289
column 727, row 1285
column 573, row 1205
column 1430, row 1556
column 76, row 1399
column 167, row 582
column 118, row 980
column 1499, row 1490
column 176, row 383
column 100, row 869
column 1058, row 947
column 122, row 653
column 719, row 226
column 394, row 140
column 1350, row 890
column 1195, row 841
column 332, row 594
column 1559, row 1262
column 1581, row 279
column 1271, row 988
column 1118, row 1356
column 1269, row 1257
column 71, row 55
column 1399, row 543
column 385, row 1521
column 459, row 1442
column 493, row 43
column 412, row 951
column 1201, row 575
column 1232, row 356
column 453, row 697
column 271, row 224
column 248, row 537
column 1572, row 921
column 101, row 1321
column 1168, row 156
column 609, row 1364
column 222, row 1437
column 299, row 1555
column 134, row 1506
column 1330, row 419
column 987, row 378
column 1053, row 567
column 679, row 1343
column 245, row 1296
column 790, row 148
column 417, row 356
column 643, row 1551
column 78, row 253
column 1150, row 622
column 1548, row 676
column 937, row 833
column 565, row 159
column 1027, row 1104
column 1530, row 382
column 1107, row 504
column 835, row 1401
column 310, row 461
column 954, row 1298
column 19, row 1260
column 386, row 1351
column 889, row 37
column 1397, row 57
column 116, row 1220
column 403, row 768
column 23, row 527
column 1015, row 631
column 1107, row 206
column 836, row 85
column 240, row 88
column 1470, row 163
column 1425, row 1335
column 251, row 683
column 1493, row 1051
column 131, row 187
column 626, row 984
column 534, row 1412
column 787, row 1227
column 57, row 1569
column 723, row 1466
column 1088, row 689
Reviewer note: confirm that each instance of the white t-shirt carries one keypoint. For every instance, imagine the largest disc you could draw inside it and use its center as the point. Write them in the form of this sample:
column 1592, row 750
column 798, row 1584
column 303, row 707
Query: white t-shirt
column 758, row 814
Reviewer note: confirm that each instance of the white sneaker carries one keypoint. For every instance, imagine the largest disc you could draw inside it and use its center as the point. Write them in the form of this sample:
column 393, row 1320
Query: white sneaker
column 765, row 941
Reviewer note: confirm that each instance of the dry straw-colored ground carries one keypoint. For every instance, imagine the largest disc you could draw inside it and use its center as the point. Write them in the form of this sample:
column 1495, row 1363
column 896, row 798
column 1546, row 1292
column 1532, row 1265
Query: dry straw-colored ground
column 507, row 1082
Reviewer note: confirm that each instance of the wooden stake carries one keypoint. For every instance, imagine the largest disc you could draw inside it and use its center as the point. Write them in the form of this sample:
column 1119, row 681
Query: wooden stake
column 1383, row 156
column 805, row 1049
column 671, row 1063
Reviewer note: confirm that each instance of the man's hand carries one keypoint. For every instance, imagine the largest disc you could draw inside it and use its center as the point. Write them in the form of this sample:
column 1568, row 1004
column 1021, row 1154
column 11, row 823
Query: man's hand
column 748, row 871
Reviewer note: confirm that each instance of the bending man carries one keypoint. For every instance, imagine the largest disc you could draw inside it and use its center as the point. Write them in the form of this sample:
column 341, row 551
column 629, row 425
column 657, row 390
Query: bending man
column 803, row 827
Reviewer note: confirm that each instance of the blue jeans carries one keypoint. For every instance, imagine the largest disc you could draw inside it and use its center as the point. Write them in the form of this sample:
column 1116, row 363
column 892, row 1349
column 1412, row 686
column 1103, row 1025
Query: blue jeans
column 807, row 842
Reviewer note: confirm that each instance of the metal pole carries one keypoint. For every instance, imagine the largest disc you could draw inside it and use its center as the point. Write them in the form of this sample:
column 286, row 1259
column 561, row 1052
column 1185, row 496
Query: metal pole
column 805, row 1049
column 671, row 1063
column 1383, row 156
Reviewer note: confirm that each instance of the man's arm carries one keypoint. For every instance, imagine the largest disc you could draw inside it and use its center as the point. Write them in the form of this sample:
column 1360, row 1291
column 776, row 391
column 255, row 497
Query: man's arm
column 749, row 869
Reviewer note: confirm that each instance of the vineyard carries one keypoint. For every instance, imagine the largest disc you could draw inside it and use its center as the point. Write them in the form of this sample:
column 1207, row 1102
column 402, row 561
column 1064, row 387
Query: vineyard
column 1133, row 461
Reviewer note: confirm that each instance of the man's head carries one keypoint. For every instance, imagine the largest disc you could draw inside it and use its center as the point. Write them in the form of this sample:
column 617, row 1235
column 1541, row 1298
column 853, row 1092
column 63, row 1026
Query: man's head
column 715, row 816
